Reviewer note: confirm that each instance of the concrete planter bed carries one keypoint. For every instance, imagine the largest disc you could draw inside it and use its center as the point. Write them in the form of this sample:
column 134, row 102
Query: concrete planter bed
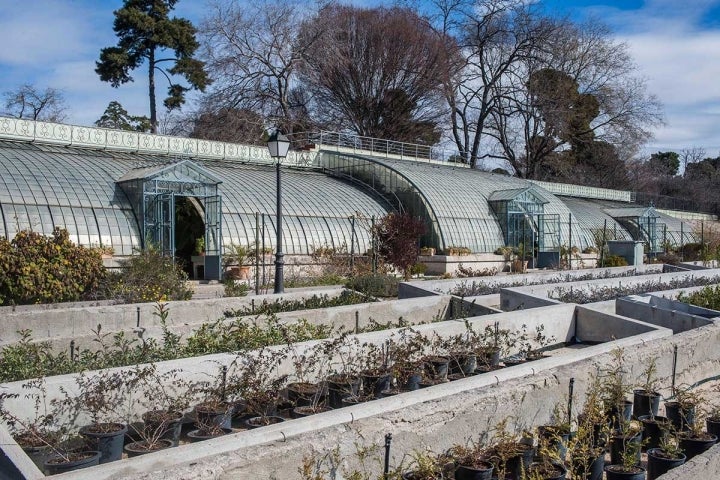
column 567, row 323
column 415, row 417
column 60, row 326
column 492, row 284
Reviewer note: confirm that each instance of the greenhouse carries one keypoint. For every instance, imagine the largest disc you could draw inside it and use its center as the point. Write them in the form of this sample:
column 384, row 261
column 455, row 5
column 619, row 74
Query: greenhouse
column 125, row 190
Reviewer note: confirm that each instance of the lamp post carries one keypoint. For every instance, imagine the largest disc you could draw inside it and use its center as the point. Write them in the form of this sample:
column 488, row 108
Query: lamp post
column 278, row 144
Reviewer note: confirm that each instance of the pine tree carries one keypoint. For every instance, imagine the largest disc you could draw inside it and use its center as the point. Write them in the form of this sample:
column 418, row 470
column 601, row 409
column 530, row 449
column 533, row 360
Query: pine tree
column 144, row 30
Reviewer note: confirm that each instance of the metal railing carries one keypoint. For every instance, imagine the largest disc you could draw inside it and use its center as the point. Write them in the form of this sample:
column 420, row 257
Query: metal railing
column 375, row 146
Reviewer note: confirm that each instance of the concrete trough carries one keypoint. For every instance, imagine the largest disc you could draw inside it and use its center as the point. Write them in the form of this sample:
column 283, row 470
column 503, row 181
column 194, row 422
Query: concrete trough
column 560, row 321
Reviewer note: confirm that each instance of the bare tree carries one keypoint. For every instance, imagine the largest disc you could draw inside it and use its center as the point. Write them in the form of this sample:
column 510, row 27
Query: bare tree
column 595, row 98
column 495, row 37
column 691, row 155
column 377, row 72
column 29, row 102
column 252, row 53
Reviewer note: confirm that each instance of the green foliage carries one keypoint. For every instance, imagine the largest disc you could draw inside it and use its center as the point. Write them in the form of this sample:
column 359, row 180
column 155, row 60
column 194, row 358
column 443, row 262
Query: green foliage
column 346, row 297
column 234, row 288
column 116, row 117
column 374, row 285
column 708, row 297
column 142, row 28
column 39, row 269
column 614, row 261
column 148, row 276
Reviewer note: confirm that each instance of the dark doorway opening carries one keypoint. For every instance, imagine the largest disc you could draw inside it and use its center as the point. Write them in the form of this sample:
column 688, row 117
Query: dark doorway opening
column 189, row 227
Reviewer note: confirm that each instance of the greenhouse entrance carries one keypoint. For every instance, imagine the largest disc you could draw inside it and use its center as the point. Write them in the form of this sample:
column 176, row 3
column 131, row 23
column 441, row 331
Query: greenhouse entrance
column 164, row 197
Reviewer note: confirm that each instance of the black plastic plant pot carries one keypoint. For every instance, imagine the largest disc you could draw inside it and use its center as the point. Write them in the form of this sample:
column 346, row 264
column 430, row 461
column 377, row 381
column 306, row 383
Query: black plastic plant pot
column 202, row 435
column 107, row 438
column 38, row 454
column 163, row 425
column 693, row 446
column 374, row 383
column 681, row 418
column 713, row 426
column 463, row 364
column 341, row 386
column 617, row 472
column 592, row 471
column 645, row 403
column 653, row 427
column 411, row 382
column 481, row 471
column 618, row 444
column 658, row 463
column 57, row 464
column 556, row 437
column 489, row 356
column 618, row 413
column 257, row 422
column 213, row 415
column 304, row 394
column 436, row 367
column 135, row 449
column 521, row 462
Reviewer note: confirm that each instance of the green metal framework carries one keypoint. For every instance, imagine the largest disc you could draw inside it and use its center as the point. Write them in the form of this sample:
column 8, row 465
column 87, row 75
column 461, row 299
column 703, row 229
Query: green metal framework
column 520, row 213
column 152, row 192
column 643, row 224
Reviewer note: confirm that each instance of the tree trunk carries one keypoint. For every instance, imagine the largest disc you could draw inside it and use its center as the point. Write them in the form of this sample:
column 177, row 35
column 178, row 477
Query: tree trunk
column 151, row 88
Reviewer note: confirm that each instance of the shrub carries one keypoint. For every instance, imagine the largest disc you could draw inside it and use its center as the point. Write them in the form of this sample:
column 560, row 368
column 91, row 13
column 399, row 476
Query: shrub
column 148, row 276
column 39, row 269
column 614, row 261
column 374, row 285
column 397, row 235
column 708, row 297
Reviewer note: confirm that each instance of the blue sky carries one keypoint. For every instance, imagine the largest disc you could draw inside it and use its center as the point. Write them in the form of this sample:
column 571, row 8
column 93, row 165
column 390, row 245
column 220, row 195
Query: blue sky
column 676, row 45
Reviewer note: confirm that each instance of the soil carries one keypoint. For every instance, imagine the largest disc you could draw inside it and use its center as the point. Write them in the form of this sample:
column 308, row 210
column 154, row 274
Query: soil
column 70, row 457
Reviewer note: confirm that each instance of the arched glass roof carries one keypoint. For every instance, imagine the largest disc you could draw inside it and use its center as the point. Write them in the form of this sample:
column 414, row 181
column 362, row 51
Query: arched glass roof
column 453, row 200
column 592, row 215
column 43, row 186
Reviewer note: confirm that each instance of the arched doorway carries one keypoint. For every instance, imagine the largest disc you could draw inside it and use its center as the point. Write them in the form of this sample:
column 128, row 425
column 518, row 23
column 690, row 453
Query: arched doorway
column 189, row 231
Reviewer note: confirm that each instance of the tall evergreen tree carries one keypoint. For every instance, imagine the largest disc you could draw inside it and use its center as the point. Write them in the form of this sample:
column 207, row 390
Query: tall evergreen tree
column 144, row 29
column 115, row 116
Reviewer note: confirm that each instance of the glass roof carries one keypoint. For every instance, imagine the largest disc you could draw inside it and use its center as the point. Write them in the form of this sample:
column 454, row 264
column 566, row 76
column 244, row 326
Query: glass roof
column 453, row 200
column 43, row 186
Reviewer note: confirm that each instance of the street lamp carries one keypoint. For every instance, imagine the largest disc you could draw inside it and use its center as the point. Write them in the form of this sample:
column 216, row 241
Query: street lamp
column 278, row 144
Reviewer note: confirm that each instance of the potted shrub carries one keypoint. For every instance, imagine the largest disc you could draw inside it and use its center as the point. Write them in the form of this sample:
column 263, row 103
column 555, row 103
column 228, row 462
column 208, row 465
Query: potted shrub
column 628, row 437
column 614, row 389
column 406, row 354
column 306, row 396
column 344, row 381
column 375, row 374
column 261, row 388
column 665, row 457
column 586, row 458
column 646, row 398
column 510, row 456
column 39, row 436
column 426, row 466
column 681, row 411
column 555, row 435
column 212, row 415
column 427, row 251
column 472, row 463
column 166, row 397
column 694, row 440
column 625, row 445
column 104, row 397
column 547, row 465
